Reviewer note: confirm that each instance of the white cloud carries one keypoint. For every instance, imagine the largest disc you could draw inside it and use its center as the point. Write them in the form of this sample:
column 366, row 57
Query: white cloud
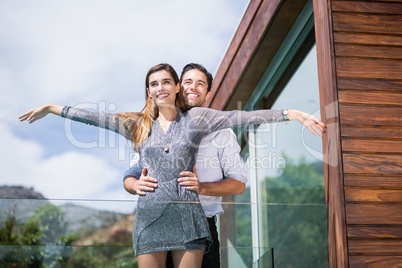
column 71, row 52
column 70, row 175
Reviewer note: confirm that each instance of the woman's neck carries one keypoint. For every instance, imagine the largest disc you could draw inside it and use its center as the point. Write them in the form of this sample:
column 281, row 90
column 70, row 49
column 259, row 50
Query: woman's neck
column 166, row 117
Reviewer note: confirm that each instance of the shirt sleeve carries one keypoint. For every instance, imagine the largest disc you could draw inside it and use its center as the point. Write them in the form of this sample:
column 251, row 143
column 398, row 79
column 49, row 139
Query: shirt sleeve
column 232, row 163
column 134, row 171
column 97, row 119
column 210, row 120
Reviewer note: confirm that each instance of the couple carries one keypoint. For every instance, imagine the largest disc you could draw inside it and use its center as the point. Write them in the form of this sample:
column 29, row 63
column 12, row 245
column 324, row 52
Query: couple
column 166, row 136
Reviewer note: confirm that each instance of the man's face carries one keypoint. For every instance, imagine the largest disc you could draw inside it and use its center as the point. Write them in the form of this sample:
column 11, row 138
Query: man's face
column 195, row 88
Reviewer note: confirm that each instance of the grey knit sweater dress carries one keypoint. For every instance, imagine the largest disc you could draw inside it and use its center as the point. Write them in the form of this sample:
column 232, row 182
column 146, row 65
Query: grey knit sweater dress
column 171, row 217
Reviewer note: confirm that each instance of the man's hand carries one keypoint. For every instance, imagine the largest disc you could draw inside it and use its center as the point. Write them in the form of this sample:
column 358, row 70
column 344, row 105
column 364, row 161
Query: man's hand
column 142, row 185
column 190, row 180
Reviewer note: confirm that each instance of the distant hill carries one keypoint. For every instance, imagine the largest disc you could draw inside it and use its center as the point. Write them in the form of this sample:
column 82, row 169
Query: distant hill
column 21, row 200
column 19, row 192
column 82, row 220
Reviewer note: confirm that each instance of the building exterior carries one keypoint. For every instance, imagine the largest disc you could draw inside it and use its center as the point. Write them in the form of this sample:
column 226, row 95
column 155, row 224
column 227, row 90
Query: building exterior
column 358, row 50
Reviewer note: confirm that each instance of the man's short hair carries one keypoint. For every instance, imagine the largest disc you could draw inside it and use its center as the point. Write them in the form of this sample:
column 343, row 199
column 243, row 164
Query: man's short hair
column 199, row 67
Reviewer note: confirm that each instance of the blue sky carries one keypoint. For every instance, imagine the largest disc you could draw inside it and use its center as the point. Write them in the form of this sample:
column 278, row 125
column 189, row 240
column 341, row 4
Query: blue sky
column 94, row 54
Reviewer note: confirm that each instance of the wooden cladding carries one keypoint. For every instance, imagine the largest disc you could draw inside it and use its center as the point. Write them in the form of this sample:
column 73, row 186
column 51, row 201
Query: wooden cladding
column 378, row 180
column 375, row 232
column 367, row 46
column 384, row 164
column 367, row 39
column 375, row 261
column 369, row 84
column 367, row 7
column 372, row 195
column 370, row 115
column 376, row 247
column 367, row 23
column 370, row 97
column 373, row 214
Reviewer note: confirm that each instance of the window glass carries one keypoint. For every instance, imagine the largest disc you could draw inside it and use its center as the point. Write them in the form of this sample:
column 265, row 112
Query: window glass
column 287, row 180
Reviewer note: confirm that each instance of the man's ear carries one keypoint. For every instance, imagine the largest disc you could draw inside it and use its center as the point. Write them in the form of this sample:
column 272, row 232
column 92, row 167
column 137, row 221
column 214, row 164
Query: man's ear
column 208, row 95
column 177, row 87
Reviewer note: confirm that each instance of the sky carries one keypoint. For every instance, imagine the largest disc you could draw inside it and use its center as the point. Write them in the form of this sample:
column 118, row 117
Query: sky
column 92, row 54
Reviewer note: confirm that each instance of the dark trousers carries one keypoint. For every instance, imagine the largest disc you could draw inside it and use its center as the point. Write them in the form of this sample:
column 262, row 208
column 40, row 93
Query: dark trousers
column 212, row 257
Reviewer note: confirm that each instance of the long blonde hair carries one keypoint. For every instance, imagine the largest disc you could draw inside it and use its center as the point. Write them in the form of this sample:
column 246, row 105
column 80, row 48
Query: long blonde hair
column 141, row 123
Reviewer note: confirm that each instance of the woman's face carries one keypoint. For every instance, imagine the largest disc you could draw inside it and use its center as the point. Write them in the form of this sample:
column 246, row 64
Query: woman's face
column 162, row 88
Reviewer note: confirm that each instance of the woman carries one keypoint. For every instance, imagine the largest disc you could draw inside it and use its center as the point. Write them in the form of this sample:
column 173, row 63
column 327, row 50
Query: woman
column 170, row 218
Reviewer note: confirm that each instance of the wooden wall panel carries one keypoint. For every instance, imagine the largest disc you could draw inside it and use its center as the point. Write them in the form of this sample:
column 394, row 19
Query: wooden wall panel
column 370, row 84
column 372, row 132
column 372, row 164
column 372, row 195
column 378, row 214
column 372, row 51
column 368, row 68
column 375, row 261
column 367, row 38
column 371, row 146
column 333, row 169
column 375, row 247
column 370, row 115
column 358, row 180
column 367, row 7
column 375, row 232
column 370, row 97
column 367, row 23
column 368, row 61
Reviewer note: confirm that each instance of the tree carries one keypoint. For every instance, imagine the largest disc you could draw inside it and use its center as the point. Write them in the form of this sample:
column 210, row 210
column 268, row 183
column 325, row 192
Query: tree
column 41, row 242
column 295, row 211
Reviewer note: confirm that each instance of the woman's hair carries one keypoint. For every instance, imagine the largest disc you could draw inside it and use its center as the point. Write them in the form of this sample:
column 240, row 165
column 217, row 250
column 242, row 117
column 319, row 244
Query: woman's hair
column 141, row 123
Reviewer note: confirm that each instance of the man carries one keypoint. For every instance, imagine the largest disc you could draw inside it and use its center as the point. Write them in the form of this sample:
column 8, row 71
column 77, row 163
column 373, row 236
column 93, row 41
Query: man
column 219, row 167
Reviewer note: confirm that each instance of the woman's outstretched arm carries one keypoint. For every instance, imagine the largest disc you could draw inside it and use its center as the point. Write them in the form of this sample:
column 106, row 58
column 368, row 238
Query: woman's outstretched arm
column 40, row 112
column 97, row 119
column 210, row 120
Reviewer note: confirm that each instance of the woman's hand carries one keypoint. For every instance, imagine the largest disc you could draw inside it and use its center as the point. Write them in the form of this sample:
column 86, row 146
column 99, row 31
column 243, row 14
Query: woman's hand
column 40, row 112
column 145, row 183
column 310, row 121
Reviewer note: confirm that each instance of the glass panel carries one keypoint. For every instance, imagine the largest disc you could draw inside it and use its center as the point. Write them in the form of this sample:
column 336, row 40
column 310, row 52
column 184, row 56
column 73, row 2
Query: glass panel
column 287, row 163
column 57, row 233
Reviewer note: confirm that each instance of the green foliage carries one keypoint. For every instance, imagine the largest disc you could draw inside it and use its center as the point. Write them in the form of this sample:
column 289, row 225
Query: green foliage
column 38, row 243
column 43, row 242
column 50, row 220
column 296, row 223
column 103, row 255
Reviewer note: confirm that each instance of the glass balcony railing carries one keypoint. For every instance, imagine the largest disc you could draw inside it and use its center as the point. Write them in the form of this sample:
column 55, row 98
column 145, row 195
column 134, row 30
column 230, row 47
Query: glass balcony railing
column 93, row 233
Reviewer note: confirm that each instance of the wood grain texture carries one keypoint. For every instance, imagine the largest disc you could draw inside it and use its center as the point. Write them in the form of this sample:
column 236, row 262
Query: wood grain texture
column 375, row 261
column 372, row 146
column 368, row 68
column 338, row 255
column 374, row 214
column 367, row 7
column 373, row 181
column 369, row 97
column 367, row 38
column 370, row 115
column 386, row 52
column 367, row 23
column 372, row 163
column 233, row 49
column 375, row 231
column 385, row 247
column 372, row 195
column 370, row 84
column 372, row 132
